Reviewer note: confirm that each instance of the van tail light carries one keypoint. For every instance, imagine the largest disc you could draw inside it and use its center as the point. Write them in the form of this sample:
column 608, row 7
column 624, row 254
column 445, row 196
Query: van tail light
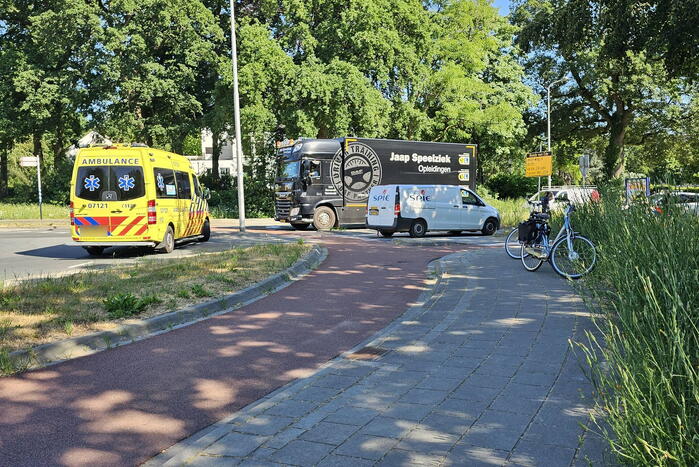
column 72, row 214
column 396, row 210
column 152, row 213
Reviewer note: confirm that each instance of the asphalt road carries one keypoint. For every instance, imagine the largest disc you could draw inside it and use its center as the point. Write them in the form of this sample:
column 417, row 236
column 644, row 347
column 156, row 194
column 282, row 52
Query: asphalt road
column 124, row 405
column 28, row 253
column 39, row 252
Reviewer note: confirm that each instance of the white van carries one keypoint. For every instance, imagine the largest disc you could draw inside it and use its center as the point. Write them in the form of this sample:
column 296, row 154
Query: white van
column 417, row 209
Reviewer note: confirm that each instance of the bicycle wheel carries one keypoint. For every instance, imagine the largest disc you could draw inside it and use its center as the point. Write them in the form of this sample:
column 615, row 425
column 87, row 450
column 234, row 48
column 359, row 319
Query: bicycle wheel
column 531, row 259
column 512, row 245
column 575, row 262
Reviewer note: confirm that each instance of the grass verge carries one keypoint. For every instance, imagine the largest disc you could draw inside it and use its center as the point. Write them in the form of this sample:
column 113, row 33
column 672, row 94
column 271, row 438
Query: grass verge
column 512, row 211
column 646, row 367
column 39, row 311
column 31, row 211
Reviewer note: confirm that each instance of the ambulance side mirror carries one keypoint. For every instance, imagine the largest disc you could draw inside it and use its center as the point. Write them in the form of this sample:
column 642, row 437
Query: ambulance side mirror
column 206, row 193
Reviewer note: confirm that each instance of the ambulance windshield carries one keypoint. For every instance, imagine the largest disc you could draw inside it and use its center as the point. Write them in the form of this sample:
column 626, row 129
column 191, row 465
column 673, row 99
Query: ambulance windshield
column 109, row 183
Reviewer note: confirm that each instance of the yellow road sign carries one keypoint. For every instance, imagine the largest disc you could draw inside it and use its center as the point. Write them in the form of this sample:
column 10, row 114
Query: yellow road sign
column 538, row 164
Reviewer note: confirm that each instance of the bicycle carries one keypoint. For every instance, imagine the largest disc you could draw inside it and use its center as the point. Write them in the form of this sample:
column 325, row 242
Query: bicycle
column 513, row 247
column 571, row 255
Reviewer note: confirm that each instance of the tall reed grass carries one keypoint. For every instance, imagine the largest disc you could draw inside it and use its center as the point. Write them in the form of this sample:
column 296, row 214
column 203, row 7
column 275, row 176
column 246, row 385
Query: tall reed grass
column 647, row 366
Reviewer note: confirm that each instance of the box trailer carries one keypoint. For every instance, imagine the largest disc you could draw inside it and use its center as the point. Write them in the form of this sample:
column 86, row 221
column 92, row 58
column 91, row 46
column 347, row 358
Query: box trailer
column 326, row 182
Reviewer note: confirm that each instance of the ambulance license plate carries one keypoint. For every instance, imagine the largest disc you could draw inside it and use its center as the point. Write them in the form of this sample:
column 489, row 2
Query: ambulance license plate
column 373, row 211
column 94, row 231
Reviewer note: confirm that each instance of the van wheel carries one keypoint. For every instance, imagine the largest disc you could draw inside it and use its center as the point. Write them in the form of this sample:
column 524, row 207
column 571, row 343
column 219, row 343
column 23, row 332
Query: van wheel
column 94, row 250
column 418, row 228
column 300, row 225
column 323, row 218
column 168, row 244
column 386, row 233
column 490, row 227
column 205, row 232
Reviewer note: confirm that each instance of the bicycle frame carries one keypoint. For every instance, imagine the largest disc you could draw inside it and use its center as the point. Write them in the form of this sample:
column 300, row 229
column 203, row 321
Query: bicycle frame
column 566, row 230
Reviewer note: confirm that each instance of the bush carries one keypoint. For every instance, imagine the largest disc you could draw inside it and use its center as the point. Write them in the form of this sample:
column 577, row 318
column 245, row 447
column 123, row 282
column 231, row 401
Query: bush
column 647, row 369
column 511, row 185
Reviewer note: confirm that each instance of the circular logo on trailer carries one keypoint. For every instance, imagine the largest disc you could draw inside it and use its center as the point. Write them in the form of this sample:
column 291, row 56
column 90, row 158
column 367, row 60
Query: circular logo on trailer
column 361, row 172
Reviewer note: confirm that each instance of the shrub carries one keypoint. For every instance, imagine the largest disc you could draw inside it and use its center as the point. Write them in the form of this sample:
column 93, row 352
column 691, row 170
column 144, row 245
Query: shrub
column 511, row 185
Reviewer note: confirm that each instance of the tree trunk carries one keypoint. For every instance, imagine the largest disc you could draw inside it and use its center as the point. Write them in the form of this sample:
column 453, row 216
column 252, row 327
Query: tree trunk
column 215, row 154
column 4, row 155
column 614, row 154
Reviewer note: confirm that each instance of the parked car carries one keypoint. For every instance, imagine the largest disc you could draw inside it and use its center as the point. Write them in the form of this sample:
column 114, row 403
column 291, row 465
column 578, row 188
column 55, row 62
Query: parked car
column 417, row 209
column 563, row 195
column 683, row 199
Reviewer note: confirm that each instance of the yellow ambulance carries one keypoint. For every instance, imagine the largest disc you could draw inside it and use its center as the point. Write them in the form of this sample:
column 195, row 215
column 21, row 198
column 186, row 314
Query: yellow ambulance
column 133, row 195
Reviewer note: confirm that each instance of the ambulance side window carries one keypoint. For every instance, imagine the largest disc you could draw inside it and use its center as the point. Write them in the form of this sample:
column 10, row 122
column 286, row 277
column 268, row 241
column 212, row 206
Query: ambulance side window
column 184, row 189
column 164, row 183
column 197, row 187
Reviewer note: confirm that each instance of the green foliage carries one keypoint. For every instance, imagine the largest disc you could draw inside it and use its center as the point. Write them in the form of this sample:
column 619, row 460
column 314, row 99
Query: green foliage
column 646, row 369
column 512, row 185
column 125, row 305
column 619, row 90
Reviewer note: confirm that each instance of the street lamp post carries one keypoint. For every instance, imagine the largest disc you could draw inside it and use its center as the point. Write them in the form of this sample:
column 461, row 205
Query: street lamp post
column 236, row 117
column 548, row 114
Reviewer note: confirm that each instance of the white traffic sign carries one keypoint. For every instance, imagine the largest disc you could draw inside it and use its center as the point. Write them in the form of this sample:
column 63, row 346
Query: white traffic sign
column 31, row 161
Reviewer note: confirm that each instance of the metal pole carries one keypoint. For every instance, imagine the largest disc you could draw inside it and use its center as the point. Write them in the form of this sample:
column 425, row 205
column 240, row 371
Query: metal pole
column 236, row 117
column 548, row 114
column 38, row 182
column 548, row 121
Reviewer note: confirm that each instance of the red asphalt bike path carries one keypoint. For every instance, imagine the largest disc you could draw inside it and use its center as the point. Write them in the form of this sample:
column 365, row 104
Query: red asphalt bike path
column 125, row 405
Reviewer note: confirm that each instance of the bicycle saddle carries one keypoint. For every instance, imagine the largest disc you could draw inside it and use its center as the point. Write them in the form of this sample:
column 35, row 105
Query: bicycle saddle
column 541, row 216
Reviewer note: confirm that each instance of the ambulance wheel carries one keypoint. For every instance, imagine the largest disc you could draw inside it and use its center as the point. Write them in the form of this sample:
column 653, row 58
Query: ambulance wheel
column 300, row 225
column 205, row 231
column 324, row 218
column 168, row 244
column 490, row 227
column 386, row 233
column 418, row 228
column 94, row 250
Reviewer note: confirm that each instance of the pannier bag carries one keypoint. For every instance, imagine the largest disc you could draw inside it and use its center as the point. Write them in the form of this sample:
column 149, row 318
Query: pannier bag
column 528, row 231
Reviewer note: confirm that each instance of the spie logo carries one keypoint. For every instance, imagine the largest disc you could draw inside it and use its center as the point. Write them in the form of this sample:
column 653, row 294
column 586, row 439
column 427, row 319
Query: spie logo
column 382, row 197
column 419, row 196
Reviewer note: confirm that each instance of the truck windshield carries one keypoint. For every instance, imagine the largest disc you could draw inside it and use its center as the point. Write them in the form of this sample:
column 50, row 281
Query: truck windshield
column 291, row 169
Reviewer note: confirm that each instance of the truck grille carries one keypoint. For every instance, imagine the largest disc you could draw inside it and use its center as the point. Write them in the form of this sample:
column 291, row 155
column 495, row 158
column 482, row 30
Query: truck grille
column 282, row 208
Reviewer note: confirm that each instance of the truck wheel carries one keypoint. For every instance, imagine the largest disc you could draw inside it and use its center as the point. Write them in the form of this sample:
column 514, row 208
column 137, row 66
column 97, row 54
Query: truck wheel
column 300, row 225
column 418, row 228
column 490, row 226
column 94, row 250
column 168, row 241
column 324, row 218
column 386, row 233
column 205, row 232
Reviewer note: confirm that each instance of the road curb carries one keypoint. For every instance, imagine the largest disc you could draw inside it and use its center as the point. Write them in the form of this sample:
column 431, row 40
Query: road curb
column 133, row 330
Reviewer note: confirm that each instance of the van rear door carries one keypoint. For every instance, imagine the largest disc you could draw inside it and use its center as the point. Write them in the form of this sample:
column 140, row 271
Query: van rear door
column 109, row 201
column 380, row 206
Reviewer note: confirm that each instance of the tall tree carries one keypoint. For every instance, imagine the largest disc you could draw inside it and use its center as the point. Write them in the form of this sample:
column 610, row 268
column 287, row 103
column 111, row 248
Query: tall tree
column 606, row 46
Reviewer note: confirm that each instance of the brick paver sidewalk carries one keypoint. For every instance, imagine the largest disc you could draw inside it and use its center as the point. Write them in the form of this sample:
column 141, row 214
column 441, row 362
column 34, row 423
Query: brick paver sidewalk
column 481, row 373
